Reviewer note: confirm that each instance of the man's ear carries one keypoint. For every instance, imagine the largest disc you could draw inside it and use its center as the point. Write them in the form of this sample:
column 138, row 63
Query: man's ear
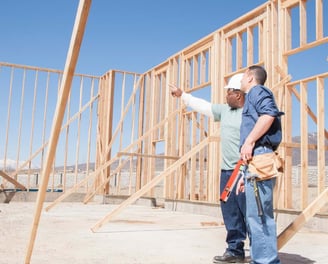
column 239, row 95
column 250, row 78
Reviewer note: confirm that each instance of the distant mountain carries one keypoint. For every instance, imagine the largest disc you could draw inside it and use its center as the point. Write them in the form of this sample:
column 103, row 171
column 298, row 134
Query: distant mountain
column 312, row 156
column 80, row 167
column 11, row 164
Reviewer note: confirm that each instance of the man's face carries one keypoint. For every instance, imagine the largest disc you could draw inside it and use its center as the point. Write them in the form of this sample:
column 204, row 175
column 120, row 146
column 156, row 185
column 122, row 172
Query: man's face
column 232, row 97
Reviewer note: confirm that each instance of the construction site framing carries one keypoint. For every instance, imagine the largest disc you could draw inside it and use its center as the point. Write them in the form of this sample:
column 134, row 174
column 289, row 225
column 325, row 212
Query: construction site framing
column 124, row 134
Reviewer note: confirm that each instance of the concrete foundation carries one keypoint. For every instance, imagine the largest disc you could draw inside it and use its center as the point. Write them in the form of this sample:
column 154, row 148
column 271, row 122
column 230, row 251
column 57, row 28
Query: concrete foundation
column 283, row 217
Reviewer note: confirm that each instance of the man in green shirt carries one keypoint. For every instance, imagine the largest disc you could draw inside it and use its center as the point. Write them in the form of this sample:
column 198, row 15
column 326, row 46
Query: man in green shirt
column 229, row 116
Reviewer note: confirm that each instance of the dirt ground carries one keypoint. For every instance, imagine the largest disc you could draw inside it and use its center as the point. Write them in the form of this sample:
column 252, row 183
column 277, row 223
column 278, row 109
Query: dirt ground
column 139, row 234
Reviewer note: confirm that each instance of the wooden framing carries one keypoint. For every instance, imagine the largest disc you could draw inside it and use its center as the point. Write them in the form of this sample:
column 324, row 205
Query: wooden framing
column 72, row 56
column 267, row 32
column 140, row 141
column 13, row 181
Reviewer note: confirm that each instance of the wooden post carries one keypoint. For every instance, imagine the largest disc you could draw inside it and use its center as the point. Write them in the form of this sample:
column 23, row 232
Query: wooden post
column 105, row 124
column 72, row 56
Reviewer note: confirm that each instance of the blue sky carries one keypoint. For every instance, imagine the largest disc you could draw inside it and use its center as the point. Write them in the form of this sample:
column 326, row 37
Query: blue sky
column 130, row 35
column 126, row 34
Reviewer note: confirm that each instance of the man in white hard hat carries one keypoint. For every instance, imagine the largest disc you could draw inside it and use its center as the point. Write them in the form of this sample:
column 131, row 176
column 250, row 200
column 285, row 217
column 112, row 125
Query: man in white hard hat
column 229, row 116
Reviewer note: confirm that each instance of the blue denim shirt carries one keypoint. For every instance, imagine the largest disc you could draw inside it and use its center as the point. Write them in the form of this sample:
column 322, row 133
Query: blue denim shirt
column 260, row 101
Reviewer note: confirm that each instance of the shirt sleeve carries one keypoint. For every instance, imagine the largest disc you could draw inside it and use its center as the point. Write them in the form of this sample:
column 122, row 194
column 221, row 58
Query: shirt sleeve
column 197, row 104
column 217, row 110
column 264, row 102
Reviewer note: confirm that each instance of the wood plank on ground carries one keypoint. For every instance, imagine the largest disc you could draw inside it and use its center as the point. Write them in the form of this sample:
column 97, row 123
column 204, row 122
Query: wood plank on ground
column 301, row 219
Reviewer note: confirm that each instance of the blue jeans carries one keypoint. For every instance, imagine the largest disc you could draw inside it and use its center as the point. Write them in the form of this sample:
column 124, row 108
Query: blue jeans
column 263, row 236
column 234, row 212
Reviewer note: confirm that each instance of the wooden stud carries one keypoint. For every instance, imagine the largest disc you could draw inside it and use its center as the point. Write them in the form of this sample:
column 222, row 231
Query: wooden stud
column 304, row 146
column 319, row 19
column 71, row 60
column 303, row 25
column 321, row 134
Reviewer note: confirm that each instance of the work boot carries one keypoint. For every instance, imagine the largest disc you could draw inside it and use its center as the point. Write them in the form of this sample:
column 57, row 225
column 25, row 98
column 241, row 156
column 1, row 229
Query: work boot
column 228, row 257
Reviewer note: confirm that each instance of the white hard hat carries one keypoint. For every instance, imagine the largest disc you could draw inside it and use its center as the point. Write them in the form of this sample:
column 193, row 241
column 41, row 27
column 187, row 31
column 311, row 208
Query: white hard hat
column 234, row 81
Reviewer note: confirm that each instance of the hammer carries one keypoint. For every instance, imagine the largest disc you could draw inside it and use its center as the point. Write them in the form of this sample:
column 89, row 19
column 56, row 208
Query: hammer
column 257, row 195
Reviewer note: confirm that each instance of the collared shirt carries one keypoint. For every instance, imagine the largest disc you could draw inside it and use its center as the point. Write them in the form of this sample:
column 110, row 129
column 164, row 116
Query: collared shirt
column 230, row 120
column 260, row 101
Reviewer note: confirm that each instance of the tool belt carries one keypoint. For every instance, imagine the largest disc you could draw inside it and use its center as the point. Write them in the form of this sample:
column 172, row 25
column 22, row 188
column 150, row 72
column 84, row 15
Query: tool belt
column 266, row 166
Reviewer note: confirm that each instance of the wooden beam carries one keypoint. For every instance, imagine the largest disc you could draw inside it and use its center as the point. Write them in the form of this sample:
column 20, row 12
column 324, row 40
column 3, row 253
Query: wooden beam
column 105, row 165
column 321, row 135
column 281, row 83
column 93, row 191
column 300, row 220
column 21, row 169
column 84, row 181
column 150, row 184
column 122, row 153
column 71, row 60
column 303, row 29
column 319, row 19
column 305, row 47
column 290, row 3
column 13, row 181
column 304, row 143
column 192, row 179
column 307, row 108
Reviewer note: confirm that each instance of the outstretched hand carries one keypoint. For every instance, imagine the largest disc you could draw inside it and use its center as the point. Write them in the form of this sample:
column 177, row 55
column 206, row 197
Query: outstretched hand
column 175, row 91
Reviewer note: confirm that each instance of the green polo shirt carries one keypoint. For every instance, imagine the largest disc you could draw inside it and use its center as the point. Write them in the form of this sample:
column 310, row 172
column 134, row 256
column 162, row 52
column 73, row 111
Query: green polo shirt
column 230, row 120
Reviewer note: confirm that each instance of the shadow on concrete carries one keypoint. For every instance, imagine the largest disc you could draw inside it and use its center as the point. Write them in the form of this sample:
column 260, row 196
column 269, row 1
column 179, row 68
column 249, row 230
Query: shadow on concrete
column 287, row 258
column 8, row 196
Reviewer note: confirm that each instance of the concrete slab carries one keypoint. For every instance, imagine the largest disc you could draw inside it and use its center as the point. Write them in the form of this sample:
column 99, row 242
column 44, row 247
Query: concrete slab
column 140, row 234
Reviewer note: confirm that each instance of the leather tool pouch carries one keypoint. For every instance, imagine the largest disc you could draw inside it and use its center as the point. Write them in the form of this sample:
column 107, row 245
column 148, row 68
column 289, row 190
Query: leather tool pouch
column 266, row 165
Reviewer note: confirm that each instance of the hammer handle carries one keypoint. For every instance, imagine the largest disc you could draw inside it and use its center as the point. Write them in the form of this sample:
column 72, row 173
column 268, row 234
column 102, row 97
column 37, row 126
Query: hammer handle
column 257, row 197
